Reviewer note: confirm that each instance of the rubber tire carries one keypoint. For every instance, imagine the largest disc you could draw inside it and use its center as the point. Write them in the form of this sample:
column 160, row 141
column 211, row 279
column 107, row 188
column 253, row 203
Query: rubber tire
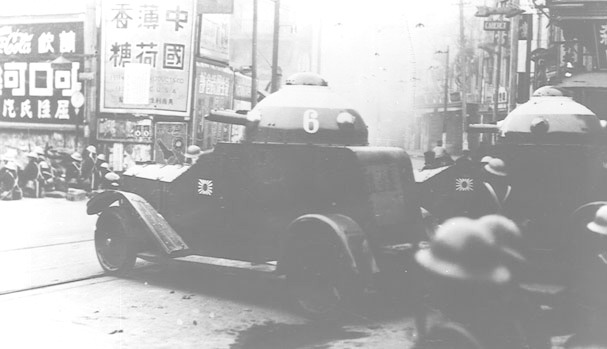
column 115, row 249
column 316, row 279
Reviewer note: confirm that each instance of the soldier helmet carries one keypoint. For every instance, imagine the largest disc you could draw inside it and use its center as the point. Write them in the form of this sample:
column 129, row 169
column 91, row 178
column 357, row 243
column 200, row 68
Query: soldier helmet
column 76, row 156
column 599, row 224
column 486, row 159
column 506, row 233
column 39, row 150
column 462, row 250
column 112, row 176
column 105, row 165
column 101, row 157
column 91, row 149
column 497, row 167
column 11, row 166
column 32, row 154
column 193, row 151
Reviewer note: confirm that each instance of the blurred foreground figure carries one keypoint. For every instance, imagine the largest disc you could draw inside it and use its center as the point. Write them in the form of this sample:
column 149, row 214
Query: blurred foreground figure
column 469, row 280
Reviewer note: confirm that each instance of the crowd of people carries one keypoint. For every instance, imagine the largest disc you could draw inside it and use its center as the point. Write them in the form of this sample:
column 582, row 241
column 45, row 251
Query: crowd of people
column 46, row 173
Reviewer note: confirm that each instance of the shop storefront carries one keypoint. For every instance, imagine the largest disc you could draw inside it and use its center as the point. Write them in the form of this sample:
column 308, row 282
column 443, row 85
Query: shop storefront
column 41, row 95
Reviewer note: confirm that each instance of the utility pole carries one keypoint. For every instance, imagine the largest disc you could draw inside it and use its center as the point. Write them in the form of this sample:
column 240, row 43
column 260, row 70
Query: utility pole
column 514, row 24
column 275, row 46
column 446, row 96
column 498, row 73
column 254, row 58
column 463, row 68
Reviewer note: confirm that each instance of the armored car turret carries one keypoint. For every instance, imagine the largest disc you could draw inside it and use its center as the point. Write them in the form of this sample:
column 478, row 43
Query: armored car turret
column 301, row 193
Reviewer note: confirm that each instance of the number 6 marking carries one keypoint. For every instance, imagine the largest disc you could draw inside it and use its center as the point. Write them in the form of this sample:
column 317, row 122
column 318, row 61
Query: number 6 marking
column 310, row 121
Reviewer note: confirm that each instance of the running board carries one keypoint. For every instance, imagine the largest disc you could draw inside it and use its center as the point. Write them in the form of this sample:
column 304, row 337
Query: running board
column 216, row 263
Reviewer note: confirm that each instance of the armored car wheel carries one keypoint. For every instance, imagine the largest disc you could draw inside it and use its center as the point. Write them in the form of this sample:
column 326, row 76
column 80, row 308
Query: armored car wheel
column 116, row 250
column 315, row 278
column 315, row 295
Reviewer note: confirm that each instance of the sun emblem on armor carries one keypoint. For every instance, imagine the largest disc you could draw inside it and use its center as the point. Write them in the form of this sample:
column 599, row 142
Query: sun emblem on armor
column 464, row 184
column 205, row 187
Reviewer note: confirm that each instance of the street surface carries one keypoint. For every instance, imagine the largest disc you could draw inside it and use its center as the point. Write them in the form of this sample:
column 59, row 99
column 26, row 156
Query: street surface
column 53, row 295
column 45, row 241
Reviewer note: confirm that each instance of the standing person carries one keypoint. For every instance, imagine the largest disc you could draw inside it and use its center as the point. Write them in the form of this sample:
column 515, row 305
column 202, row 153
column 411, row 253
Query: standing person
column 497, row 187
column 73, row 171
column 104, row 169
column 101, row 160
column 441, row 156
column 439, row 150
column 46, row 173
column 465, row 159
column 32, row 177
column 89, row 169
column 9, row 183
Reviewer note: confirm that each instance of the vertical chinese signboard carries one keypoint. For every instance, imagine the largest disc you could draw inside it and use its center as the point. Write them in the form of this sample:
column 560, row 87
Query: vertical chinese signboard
column 214, row 91
column 600, row 35
column 34, row 89
column 156, row 33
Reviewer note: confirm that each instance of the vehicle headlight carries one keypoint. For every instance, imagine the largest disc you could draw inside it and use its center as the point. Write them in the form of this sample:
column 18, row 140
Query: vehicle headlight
column 345, row 118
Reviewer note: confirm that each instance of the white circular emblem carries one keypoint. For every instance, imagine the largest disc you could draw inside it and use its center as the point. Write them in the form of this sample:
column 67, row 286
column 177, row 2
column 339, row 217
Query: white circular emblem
column 464, row 184
column 77, row 99
column 205, row 187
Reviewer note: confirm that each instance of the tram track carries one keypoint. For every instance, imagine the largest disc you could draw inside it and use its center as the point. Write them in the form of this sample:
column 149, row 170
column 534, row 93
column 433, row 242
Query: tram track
column 46, row 245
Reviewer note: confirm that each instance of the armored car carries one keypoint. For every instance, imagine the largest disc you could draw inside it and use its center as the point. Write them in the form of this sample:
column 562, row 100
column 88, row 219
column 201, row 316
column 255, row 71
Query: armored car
column 301, row 193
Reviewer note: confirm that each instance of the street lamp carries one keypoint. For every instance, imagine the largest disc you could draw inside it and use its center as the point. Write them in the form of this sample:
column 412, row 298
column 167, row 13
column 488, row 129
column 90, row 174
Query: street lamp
column 446, row 93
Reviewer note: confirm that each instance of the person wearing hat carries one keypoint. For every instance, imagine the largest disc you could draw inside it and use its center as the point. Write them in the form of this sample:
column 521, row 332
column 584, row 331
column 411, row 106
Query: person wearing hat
column 89, row 168
column 9, row 182
column 111, row 180
column 73, row 171
column 465, row 158
column 192, row 154
column 589, row 287
column 485, row 159
column 468, row 281
column 32, row 177
column 589, row 279
column 101, row 159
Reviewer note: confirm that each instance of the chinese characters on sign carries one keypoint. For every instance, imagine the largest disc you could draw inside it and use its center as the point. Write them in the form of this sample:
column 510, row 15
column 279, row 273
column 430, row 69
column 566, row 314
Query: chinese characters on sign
column 32, row 88
column 153, row 32
column 600, row 34
column 214, row 91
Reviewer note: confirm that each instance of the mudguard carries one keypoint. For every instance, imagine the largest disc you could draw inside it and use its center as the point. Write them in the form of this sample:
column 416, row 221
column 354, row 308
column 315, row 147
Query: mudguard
column 155, row 225
column 448, row 335
column 347, row 232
